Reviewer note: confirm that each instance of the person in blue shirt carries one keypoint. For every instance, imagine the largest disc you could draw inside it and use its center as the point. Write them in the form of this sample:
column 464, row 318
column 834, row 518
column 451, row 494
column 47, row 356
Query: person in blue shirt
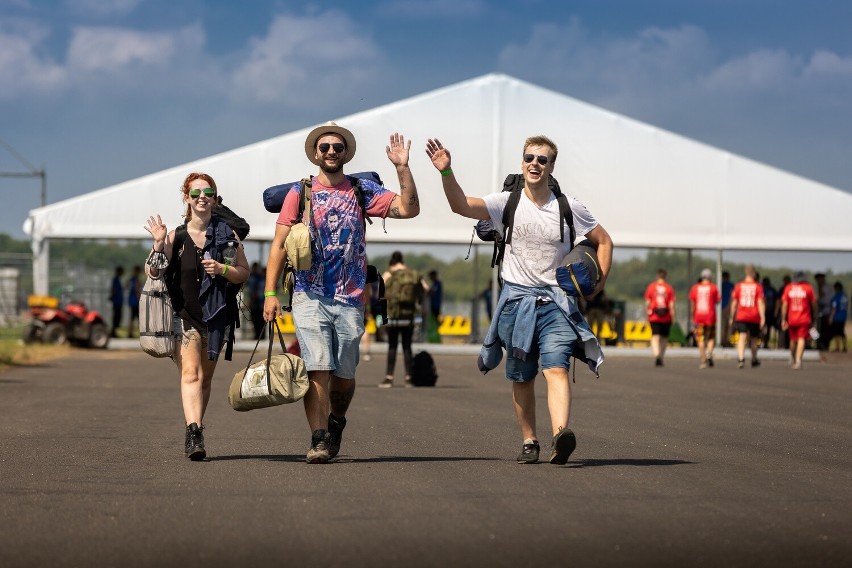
column 727, row 289
column 838, row 316
column 134, row 292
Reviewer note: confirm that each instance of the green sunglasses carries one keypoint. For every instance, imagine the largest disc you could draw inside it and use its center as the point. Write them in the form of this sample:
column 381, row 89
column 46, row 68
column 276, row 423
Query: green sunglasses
column 196, row 193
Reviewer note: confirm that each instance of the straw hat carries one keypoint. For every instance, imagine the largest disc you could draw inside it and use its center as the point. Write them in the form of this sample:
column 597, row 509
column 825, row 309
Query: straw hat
column 329, row 128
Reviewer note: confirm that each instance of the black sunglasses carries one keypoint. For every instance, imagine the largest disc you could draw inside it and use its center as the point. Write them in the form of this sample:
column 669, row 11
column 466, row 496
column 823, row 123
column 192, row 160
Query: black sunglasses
column 338, row 147
column 528, row 158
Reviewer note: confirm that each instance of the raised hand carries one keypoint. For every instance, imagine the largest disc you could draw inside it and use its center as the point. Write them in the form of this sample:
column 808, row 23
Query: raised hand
column 439, row 155
column 398, row 150
column 157, row 229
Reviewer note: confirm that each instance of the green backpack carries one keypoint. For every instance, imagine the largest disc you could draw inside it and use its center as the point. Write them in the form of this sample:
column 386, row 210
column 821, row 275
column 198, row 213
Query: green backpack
column 403, row 291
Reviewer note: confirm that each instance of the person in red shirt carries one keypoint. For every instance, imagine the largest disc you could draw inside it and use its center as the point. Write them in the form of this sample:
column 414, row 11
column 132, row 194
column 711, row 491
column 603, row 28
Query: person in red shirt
column 703, row 298
column 798, row 306
column 749, row 307
column 660, row 307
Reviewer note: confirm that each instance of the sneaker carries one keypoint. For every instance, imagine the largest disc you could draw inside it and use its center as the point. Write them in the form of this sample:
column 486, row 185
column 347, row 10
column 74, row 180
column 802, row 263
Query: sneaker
column 755, row 362
column 703, row 365
column 563, row 444
column 194, row 445
column 335, row 434
column 658, row 362
column 741, row 363
column 709, row 361
column 408, row 383
column 367, row 357
column 529, row 453
column 319, row 447
column 387, row 383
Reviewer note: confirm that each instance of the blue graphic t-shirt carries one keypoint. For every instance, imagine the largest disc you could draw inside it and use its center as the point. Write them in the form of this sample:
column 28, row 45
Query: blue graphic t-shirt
column 338, row 243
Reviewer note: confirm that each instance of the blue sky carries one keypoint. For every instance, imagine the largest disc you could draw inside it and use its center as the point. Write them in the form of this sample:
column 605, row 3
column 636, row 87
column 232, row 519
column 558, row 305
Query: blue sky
column 102, row 91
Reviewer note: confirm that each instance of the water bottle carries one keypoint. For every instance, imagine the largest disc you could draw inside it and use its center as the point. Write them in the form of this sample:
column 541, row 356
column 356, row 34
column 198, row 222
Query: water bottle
column 229, row 255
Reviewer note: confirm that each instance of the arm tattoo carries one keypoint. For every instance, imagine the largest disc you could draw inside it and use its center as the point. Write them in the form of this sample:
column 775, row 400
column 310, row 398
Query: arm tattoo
column 413, row 200
column 394, row 212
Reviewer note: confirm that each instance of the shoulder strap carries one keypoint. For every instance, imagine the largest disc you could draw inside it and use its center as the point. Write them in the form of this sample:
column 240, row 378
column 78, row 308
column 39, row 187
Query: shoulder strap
column 177, row 248
column 359, row 195
column 304, row 199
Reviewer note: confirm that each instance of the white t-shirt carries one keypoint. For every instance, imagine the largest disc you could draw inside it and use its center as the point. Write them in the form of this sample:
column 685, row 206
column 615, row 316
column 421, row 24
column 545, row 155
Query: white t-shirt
column 535, row 252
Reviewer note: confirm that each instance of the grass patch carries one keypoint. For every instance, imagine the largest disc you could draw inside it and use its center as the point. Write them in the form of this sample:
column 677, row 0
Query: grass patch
column 14, row 352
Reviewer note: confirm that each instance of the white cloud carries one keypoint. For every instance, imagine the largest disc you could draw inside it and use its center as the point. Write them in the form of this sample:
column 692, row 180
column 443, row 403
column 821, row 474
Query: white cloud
column 297, row 65
column 114, row 49
column 757, row 71
column 23, row 68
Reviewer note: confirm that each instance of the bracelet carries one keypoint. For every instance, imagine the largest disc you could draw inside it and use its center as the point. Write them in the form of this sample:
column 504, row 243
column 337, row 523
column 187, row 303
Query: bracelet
column 225, row 271
column 268, row 294
column 447, row 172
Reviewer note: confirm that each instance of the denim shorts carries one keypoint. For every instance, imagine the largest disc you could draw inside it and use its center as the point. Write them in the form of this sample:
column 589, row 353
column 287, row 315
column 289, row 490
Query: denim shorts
column 553, row 340
column 329, row 333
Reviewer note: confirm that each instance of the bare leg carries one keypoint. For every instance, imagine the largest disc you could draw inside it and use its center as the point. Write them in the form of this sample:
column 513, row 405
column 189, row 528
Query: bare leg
column 523, row 400
column 316, row 400
column 196, row 376
column 655, row 346
column 340, row 393
column 558, row 397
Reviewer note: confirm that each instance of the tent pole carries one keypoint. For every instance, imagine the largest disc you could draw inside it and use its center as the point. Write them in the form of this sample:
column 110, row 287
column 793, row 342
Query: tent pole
column 719, row 324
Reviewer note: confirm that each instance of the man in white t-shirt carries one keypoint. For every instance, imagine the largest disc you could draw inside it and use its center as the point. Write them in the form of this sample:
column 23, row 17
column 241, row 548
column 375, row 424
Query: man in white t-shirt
column 534, row 318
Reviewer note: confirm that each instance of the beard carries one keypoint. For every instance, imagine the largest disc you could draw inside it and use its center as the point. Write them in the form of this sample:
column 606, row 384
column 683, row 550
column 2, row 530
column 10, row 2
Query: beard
column 331, row 169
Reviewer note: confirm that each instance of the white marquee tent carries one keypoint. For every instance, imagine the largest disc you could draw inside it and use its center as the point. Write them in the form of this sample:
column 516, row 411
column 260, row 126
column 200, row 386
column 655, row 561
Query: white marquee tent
column 649, row 188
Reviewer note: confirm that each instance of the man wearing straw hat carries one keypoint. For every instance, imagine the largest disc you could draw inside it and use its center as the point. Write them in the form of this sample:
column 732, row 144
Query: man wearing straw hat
column 328, row 300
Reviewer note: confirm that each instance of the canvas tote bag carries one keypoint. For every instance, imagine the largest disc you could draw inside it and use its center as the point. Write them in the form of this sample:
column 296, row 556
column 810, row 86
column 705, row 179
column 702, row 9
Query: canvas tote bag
column 155, row 319
column 279, row 379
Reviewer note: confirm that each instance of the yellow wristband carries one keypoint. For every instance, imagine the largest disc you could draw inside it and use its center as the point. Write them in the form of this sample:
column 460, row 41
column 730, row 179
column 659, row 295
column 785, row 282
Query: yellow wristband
column 225, row 271
column 268, row 294
column 447, row 172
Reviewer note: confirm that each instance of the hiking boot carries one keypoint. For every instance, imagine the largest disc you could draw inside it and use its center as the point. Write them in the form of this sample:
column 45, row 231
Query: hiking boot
column 709, row 361
column 387, row 383
column 194, row 445
column 755, row 362
column 335, row 434
column 741, row 363
column 319, row 447
column 529, row 453
column 561, row 447
column 658, row 362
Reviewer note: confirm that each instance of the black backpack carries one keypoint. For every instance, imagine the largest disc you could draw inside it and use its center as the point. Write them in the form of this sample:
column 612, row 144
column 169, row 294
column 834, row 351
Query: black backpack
column 234, row 221
column 515, row 184
column 423, row 371
column 232, row 291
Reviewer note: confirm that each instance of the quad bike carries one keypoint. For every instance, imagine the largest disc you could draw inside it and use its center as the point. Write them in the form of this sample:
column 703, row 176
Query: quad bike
column 73, row 323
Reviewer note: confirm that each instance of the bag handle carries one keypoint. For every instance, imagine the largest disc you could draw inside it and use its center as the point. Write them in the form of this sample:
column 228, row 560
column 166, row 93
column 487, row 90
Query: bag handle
column 269, row 326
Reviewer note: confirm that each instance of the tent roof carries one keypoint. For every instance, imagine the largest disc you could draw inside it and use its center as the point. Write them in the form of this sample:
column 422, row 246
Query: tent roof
column 646, row 186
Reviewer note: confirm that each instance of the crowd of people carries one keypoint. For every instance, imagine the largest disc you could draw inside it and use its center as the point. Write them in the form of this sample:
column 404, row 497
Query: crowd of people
column 755, row 312
column 535, row 324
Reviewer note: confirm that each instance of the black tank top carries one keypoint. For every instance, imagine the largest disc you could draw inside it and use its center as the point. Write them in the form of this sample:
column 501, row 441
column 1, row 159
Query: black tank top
column 191, row 273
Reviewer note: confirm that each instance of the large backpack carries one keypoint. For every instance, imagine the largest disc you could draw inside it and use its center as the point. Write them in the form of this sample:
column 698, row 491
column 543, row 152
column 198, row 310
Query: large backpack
column 232, row 291
column 403, row 291
column 514, row 183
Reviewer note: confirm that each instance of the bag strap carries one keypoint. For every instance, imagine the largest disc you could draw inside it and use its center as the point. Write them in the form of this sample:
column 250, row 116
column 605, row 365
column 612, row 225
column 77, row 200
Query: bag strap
column 269, row 326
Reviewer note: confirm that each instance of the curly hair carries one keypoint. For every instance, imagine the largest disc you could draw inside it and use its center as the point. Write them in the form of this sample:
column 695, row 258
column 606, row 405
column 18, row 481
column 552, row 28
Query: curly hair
column 184, row 189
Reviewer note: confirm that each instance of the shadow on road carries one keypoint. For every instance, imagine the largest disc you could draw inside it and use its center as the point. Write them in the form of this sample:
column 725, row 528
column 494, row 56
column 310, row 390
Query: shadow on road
column 627, row 461
column 381, row 459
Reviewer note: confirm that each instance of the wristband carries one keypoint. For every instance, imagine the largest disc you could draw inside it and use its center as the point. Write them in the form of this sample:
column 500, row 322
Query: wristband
column 268, row 294
column 447, row 172
column 225, row 271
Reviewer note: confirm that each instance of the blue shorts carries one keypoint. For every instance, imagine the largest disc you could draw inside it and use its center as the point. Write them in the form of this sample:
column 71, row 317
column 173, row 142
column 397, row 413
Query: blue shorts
column 329, row 333
column 553, row 340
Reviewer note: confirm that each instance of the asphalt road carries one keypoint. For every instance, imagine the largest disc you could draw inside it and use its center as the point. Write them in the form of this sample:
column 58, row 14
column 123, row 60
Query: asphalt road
column 674, row 467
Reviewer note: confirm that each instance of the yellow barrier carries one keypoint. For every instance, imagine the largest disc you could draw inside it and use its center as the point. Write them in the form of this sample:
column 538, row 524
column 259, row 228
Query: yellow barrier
column 454, row 325
column 637, row 331
column 606, row 331
column 285, row 323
